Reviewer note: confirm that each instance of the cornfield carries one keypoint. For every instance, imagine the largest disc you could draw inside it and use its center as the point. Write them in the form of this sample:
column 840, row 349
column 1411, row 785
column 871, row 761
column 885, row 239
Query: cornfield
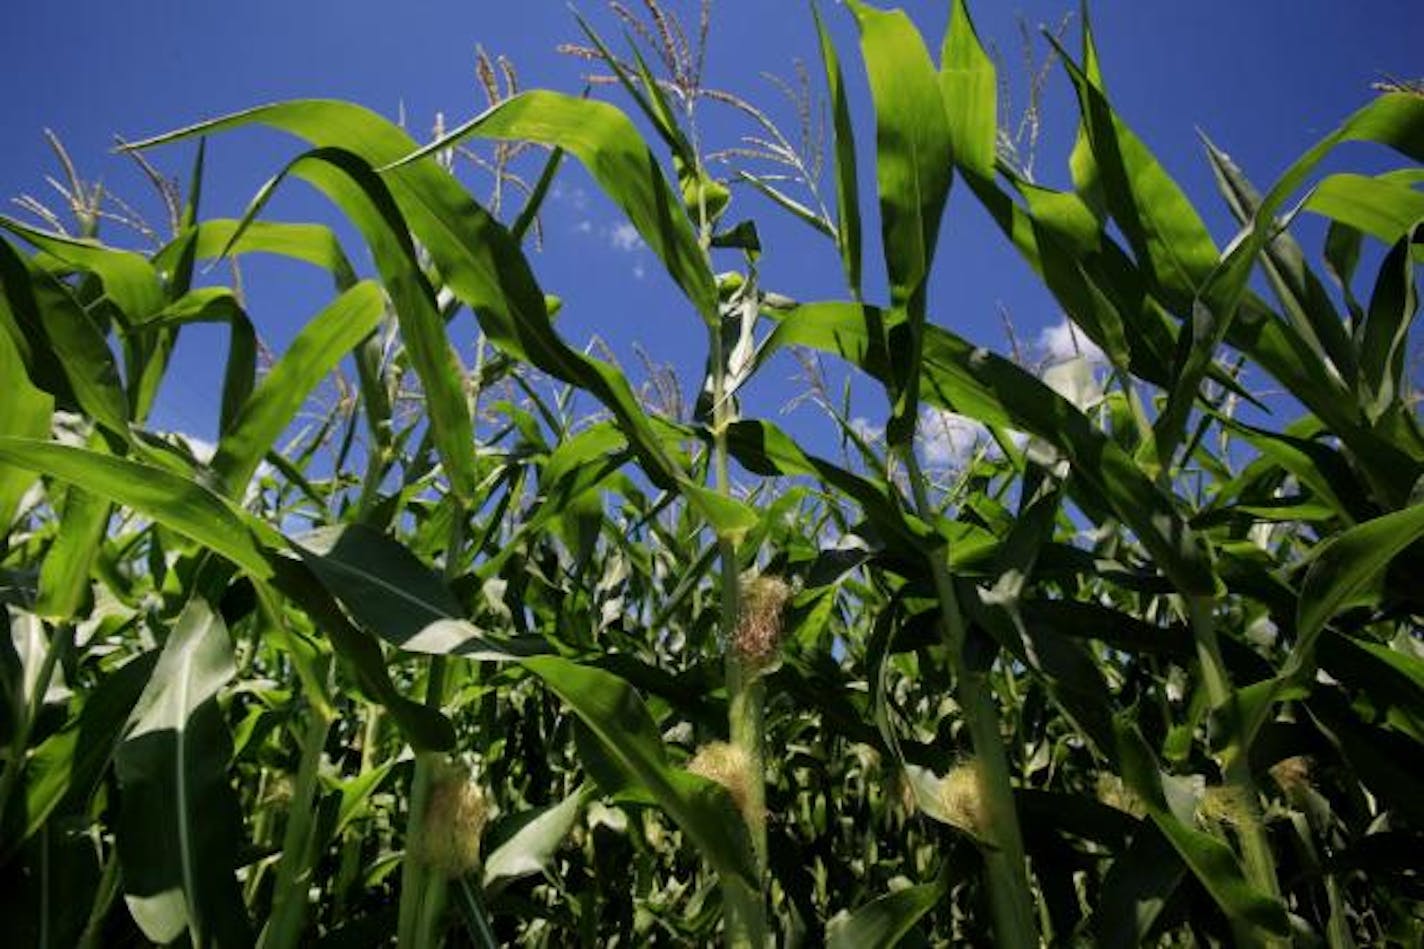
column 425, row 651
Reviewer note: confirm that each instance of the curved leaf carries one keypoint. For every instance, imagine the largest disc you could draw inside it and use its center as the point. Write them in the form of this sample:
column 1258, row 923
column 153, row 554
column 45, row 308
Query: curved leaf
column 478, row 259
column 630, row 740
column 219, row 305
column 179, row 823
column 532, row 840
column 1343, row 570
column 885, row 920
column 608, row 144
column 314, row 244
column 129, row 280
column 318, row 348
column 174, row 501
column 348, row 180
column 388, row 590
column 66, row 353
column 997, row 392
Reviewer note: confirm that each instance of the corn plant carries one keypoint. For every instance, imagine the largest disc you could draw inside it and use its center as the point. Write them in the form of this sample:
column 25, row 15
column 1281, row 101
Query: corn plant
column 442, row 656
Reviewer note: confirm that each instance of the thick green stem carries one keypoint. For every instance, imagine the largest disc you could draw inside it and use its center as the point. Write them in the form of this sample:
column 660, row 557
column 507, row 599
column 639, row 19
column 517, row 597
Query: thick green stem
column 423, row 889
column 745, row 912
column 289, row 902
column 1010, row 898
column 92, row 936
column 1235, row 765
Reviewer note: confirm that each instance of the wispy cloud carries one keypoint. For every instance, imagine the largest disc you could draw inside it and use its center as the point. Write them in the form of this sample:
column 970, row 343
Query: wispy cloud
column 948, row 439
column 1063, row 341
column 624, row 236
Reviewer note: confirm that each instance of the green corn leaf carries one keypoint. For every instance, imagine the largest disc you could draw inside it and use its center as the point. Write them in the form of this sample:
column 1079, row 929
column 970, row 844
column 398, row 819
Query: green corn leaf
column 848, row 232
column 1385, row 207
column 1384, row 336
column 608, row 144
column 423, row 726
column 174, row 501
column 764, row 449
column 1212, row 861
column 56, row 328
column 971, row 94
column 1345, row 569
column 25, row 412
column 129, row 280
column 318, row 348
column 1167, row 236
column 65, row 769
column 1395, row 120
column 314, row 244
column 1087, row 180
column 913, row 170
column 179, row 822
column 64, row 584
column 997, row 392
column 350, row 183
column 389, row 591
column 1306, row 302
column 479, row 260
column 526, row 842
column 219, row 305
column 630, row 741
column 885, row 920
column 914, row 150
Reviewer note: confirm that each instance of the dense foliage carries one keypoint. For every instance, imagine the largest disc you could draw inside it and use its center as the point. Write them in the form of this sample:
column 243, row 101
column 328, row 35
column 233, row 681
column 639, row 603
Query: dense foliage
column 454, row 663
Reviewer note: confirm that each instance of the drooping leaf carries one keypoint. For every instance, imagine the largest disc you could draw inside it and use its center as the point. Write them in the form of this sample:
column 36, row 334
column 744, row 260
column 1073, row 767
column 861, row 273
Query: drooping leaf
column 397, row 597
column 314, row 244
column 608, row 144
column 348, row 180
column 129, row 280
column 219, row 305
column 1384, row 206
column 532, row 840
column 57, row 330
column 885, row 920
column 176, row 502
column 479, row 261
column 179, row 824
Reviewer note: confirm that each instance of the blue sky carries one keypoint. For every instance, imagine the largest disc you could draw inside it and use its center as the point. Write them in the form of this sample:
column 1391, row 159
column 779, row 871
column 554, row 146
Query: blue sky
column 1263, row 79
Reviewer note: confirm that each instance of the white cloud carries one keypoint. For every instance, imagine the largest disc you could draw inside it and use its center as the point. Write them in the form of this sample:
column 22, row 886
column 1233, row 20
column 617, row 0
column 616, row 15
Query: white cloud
column 1064, row 341
column 948, row 439
column 638, row 272
column 584, row 227
column 624, row 236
